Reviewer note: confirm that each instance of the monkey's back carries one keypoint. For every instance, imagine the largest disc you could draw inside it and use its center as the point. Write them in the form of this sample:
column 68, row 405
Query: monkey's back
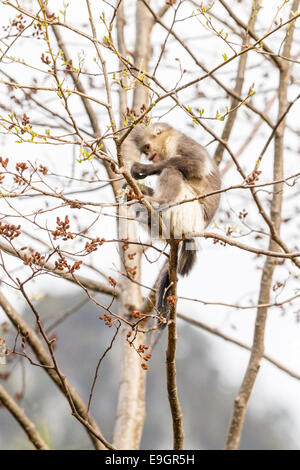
column 208, row 180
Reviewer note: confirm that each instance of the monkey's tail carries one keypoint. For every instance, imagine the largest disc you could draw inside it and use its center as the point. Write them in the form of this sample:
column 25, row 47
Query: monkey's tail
column 186, row 261
column 162, row 304
column 188, row 256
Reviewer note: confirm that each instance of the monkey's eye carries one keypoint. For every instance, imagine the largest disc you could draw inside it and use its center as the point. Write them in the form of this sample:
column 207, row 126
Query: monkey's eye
column 146, row 148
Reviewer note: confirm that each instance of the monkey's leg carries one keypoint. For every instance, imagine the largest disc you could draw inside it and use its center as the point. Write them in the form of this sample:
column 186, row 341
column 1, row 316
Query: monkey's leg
column 169, row 186
column 147, row 190
column 191, row 168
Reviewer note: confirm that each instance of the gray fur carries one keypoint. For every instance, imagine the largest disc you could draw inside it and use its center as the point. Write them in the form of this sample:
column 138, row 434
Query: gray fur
column 178, row 160
column 190, row 158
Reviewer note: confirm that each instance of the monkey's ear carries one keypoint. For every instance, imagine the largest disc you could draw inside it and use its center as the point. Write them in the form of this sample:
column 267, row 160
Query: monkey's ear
column 157, row 131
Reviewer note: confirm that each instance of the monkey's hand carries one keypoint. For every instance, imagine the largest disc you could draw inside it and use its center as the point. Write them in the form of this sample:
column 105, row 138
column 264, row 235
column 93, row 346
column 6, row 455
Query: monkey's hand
column 139, row 171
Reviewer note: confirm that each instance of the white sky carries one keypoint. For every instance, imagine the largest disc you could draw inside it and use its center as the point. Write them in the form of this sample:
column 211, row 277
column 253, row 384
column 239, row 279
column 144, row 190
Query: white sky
column 222, row 274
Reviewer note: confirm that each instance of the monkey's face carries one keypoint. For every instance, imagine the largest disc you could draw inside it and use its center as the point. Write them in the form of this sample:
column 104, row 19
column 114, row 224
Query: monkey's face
column 159, row 142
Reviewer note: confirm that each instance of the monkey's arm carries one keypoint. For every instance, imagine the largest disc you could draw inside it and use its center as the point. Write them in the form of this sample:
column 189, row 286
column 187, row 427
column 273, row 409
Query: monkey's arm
column 140, row 170
column 190, row 168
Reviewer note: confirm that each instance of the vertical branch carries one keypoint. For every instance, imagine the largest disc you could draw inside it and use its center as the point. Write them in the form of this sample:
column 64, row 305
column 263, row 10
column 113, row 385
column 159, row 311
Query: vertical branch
column 25, row 423
column 131, row 401
column 142, row 53
column 123, row 102
column 257, row 352
column 238, row 85
column 171, row 352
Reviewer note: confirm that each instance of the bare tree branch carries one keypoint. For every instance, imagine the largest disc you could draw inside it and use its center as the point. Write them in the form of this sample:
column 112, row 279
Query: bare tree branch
column 45, row 360
column 25, row 423
column 176, row 412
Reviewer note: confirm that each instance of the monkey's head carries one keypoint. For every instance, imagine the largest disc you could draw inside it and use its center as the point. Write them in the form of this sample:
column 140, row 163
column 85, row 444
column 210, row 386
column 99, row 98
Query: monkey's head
column 158, row 141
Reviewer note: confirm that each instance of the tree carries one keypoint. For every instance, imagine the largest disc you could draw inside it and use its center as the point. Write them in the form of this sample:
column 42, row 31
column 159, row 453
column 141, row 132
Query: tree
column 73, row 89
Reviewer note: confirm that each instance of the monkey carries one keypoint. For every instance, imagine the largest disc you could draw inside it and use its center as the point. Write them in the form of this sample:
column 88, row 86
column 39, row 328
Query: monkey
column 185, row 171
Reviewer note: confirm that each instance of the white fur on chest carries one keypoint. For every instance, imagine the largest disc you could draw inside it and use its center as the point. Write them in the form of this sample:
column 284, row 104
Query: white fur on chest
column 187, row 218
column 181, row 220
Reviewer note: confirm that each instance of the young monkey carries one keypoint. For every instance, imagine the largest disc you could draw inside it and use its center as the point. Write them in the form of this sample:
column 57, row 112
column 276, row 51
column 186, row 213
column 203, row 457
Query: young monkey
column 185, row 170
